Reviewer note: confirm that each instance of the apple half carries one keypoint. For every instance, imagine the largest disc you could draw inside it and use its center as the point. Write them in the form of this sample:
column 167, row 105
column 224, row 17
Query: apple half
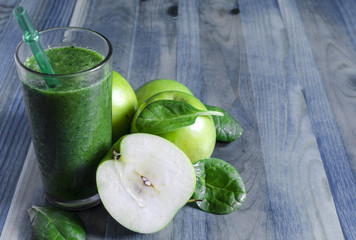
column 146, row 180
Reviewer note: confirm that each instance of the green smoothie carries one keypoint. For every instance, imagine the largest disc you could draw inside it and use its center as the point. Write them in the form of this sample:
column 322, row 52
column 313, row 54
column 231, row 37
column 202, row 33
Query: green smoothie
column 70, row 124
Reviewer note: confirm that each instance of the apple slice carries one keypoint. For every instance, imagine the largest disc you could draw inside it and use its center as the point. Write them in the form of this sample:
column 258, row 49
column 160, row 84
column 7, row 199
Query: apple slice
column 145, row 184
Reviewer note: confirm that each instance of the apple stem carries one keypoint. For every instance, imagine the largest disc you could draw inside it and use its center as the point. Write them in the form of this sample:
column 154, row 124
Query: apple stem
column 116, row 155
column 194, row 200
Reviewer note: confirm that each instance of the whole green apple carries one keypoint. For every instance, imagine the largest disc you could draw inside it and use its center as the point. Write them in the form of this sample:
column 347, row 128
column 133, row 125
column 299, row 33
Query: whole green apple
column 197, row 141
column 124, row 105
column 153, row 87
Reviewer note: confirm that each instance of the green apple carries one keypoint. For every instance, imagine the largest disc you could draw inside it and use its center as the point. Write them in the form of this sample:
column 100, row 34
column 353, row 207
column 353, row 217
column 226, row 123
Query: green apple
column 124, row 105
column 143, row 181
column 156, row 86
column 197, row 141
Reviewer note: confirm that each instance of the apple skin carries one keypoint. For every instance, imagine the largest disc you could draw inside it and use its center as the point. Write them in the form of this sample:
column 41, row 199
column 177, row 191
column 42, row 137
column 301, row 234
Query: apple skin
column 124, row 105
column 197, row 141
column 153, row 87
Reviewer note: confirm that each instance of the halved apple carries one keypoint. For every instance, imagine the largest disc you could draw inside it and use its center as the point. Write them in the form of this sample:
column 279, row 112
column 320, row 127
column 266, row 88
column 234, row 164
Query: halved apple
column 146, row 180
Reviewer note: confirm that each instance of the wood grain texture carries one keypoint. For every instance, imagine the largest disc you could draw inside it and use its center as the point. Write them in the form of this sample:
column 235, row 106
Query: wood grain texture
column 154, row 43
column 347, row 10
column 335, row 158
column 298, row 195
column 222, row 47
column 188, row 46
column 28, row 193
column 14, row 131
column 335, row 57
column 284, row 69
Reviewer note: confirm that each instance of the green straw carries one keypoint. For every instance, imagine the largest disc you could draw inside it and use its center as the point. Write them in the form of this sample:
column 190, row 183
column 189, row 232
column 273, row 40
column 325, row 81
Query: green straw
column 32, row 38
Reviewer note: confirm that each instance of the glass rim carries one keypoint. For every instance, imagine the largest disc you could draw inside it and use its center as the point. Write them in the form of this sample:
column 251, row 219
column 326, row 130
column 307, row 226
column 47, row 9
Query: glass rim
column 105, row 60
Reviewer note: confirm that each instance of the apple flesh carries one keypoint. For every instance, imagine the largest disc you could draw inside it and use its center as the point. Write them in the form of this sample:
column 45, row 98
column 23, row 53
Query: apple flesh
column 145, row 185
column 197, row 141
column 124, row 105
column 153, row 87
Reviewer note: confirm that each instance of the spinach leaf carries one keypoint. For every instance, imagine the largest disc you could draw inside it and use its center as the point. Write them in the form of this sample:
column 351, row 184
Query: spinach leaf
column 164, row 116
column 54, row 223
column 219, row 188
column 227, row 128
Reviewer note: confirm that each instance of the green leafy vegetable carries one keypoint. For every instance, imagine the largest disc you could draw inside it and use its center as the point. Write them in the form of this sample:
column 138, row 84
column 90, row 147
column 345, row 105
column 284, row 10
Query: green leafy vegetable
column 53, row 223
column 219, row 188
column 167, row 115
column 227, row 128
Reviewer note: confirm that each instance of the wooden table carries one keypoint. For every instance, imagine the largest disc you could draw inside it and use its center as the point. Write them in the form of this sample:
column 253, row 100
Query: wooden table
column 285, row 69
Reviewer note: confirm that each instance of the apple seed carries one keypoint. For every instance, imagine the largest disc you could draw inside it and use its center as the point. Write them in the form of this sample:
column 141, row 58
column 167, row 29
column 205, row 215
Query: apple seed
column 145, row 180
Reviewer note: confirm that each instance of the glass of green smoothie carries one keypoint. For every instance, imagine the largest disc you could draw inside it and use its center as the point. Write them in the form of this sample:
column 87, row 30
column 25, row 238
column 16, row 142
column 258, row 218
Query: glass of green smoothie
column 70, row 122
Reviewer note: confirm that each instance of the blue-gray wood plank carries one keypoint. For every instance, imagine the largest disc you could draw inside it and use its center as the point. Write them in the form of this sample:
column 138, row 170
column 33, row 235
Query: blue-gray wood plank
column 336, row 160
column 271, row 66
